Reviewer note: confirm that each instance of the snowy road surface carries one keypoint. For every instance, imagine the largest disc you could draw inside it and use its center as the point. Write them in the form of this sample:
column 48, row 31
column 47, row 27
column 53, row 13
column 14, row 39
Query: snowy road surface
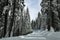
column 37, row 35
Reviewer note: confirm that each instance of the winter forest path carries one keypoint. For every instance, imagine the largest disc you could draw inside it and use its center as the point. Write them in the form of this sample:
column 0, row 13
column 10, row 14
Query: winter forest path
column 37, row 35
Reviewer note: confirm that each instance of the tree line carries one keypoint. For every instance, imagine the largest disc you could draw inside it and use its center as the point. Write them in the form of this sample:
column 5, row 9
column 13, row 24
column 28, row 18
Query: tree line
column 13, row 20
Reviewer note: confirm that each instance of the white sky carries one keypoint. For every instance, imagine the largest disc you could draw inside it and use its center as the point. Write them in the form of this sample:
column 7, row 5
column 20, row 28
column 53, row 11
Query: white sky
column 34, row 8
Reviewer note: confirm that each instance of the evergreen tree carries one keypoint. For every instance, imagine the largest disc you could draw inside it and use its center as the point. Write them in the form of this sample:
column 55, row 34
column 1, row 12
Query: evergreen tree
column 3, row 17
column 51, row 8
column 39, row 20
column 26, row 28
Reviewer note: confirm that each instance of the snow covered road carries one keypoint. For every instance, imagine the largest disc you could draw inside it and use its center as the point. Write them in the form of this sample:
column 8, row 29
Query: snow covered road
column 37, row 35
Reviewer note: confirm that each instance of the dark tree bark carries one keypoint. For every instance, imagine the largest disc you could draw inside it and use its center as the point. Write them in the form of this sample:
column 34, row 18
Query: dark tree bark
column 5, row 27
column 12, row 19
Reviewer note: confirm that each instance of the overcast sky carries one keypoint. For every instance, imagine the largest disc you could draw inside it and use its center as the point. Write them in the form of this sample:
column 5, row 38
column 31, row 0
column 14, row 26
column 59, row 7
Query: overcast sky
column 34, row 8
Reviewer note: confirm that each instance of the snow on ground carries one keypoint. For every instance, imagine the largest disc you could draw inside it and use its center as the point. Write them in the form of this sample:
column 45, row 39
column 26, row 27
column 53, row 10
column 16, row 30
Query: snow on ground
column 37, row 35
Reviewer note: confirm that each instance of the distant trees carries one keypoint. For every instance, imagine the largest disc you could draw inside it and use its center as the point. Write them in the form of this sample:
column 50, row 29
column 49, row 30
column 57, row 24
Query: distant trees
column 33, row 24
column 37, row 23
